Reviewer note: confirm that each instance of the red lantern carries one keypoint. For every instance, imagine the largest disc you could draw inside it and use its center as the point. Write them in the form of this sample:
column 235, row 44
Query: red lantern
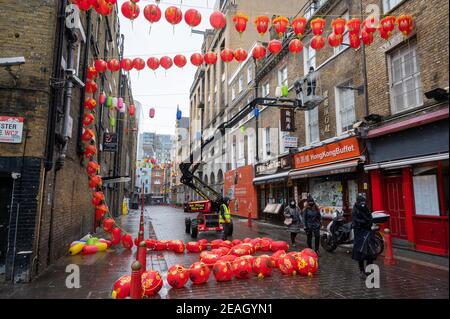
column 227, row 55
column 240, row 55
column 90, row 151
column 335, row 40
column 151, row 283
column 262, row 24
column 132, row 110
column 280, row 25
column 108, row 225
column 91, row 87
column 299, row 26
column 317, row 42
column 286, row 265
column 370, row 24
column 240, row 22
column 199, row 273
column 228, row 258
column 92, row 168
column 139, row 64
column 173, row 15
column 242, row 268
column 166, row 62
column 127, row 241
column 387, row 25
column 210, row 58
column 83, row 5
column 113, row 65
column 317, row 26
column 152, row 13
column 197, row 59
column 276, row 257
column 130, row 10
column 177, row 276
column 209, row 259
column 126, row 64
column 91, row 73
column 95, row 182
column 354, row 25
column 366, row 37
column 180, row 60
column 102, row 98
column 266, row 244
column 263, row 266
column 104, row 7
column 405, row 24
column 153, row 63
column 259, row 52
column 152, row 113
column 194, row 247
column 275, row 46
column 218, row 20
column 222, row 271
column 279, row 245
column 90, row 103
column 100, row 65
column 295, row 46
column 88, row 119
column 354, row 39
column 121, row 288
column 338, row 26
column 176, row 246
column 87, row 135
column 192, row 17
column 100, row 211
column 97, row 198
column 116, row 236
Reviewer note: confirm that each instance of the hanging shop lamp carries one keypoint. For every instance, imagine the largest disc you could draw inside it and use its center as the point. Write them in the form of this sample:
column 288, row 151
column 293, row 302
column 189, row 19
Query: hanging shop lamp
column 338, row 26
column 92, row 168
column 90, row 103
column 240, row 22
column 91, row 73
column 130, row 10
column 88, row 119
column 317, row 42
column 91, row 87
column 354, row 25
column 405, row 24
column 138, row 64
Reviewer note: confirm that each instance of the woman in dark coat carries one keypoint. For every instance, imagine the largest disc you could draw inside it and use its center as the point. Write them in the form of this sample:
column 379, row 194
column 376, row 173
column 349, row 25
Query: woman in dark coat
column 362, row 228
column 313, row 222
column 293, row 212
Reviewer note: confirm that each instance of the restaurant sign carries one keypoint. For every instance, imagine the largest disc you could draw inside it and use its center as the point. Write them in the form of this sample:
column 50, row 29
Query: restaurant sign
column 274, row 166
column 11, row 129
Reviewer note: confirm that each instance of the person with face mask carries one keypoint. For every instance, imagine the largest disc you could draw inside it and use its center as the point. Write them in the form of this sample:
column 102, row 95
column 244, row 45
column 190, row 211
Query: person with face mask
column 313, row 222
column 362, row 228
column 293, row 220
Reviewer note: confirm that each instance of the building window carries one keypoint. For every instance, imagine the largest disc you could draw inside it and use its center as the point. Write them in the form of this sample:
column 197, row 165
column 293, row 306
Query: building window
column 426, row 198
column 249, row 73
column 312, row 127
column 241, row 149
column 283, row 76
column 241, row 83
column 233, row 93
column 346, row 41
column 309, row 59
column 251, row 155
column 345, row 108
column 266, row 142
column 266, row 89
column 404, row 78
column 388, row 5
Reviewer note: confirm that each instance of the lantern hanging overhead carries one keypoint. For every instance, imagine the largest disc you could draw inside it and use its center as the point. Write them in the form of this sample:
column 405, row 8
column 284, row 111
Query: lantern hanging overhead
column 87, row 135
column 92, row 168
column 88, row 119
column 280, row 24
column 338, row 26
column 366, row 37
column 100, row 65
column 91, row 73
column 240, row 22
column 152, row 13
column 259, row 52
column 83, row 5
column 197, row 59
column 173, row 16
column 405, row 24
column 104, row 7
column 166, row 62
column 354, row 25
column 192, row 18
column 295, row 46
column 299, row 26
column 317, row 26
column 275, row 46
column 130, row 10
column 210, row 58
column 262, row 24
column 317, row 42
column 90, row 151
column 153, row 63
column 132, row 110
column 91, row 87
column 113, row 65
column 218, row 20
column 227, row 55
column 240, row 55
column 152, row 113
column 354, row 40
column 126, row 64
column 387, row 25
column 180, row 60
column 138, row 64
column 370, row 24
column 90, row 103
column 335, row 40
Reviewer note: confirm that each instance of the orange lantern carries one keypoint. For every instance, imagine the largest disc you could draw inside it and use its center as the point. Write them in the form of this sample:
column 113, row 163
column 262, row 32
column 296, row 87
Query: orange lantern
column 153, row 63
column 151, row 283
column 113, row 65
column 103, row 7
column 317, row 26
column 366, row 37
column 262, row 24
column 130, row 10
column 338, row 26
column 240, row 55
column 173, row 15
column 108, row 225
column 387, row 25
column 116, row 236
column 100, row 65
column 354, row 25
column 299, row 26
column 91, row 86
column 126, row 64
column 218, row 20
column 335, row 40
column 177, row 276
column 91, row 73
column 95, row 182
column 179, row 60
column 88, row 119
column 100, row 212
column 240, row 22
column 90, row 151
column 370, row 24
column 227, row 55
column 87, row 135
column 121, row 288
column 295, row 46
column 263, row 266
column 317, row 42
column 286, row 265
column 242, row 268
column 210, row 58
column 280, row 24
column 92, row 168
column 199, row 273
column 355, row 41
column 192, row 17
column 127, row 241
column 97, row 198
column 275, row 46
column 90, row 103
column 222, row 271
column 405, row 24
column 197, row 59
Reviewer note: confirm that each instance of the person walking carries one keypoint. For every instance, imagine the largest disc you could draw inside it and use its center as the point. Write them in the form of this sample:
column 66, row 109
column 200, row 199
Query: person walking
column 362, row 229
column 293, row 220
column 225, row 218
column 313, row 222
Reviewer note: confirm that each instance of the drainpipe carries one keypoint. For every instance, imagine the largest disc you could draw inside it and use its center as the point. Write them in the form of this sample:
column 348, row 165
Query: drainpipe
column 364, row 70
column 256, row 117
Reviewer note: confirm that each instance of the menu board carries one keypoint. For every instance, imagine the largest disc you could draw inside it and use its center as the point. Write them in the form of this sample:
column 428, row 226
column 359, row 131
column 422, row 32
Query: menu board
column 426, row 195
column 328, row 195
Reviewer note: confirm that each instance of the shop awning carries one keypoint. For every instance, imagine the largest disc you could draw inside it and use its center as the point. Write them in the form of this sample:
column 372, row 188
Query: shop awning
column 338, row 168
column 408, row 161
column 271, row 178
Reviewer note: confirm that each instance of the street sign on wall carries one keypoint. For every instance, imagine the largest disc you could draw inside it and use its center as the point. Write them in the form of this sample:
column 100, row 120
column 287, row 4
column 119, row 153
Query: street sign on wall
column 11, row 129
column 110, row 142
column 290, row 141
column 287, row 117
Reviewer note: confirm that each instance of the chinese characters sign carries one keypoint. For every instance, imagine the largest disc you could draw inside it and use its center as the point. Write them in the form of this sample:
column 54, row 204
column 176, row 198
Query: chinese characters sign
column 287, row 117
column 110, row 142
column 11, row 129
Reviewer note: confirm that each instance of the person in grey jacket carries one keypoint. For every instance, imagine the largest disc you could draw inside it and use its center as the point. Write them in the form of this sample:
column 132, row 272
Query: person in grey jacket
column 293, row 212
column 313, row 222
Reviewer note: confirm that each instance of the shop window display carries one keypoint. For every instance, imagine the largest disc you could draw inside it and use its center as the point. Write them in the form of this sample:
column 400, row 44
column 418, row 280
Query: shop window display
column 328, row 194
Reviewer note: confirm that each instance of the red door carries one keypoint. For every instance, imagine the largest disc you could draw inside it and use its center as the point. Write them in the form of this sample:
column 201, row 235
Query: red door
column 395, row 205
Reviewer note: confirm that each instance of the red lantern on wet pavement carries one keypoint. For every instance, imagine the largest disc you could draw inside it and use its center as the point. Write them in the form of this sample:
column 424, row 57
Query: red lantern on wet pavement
column 370, row 24
column 338, row 26
column 152, row 13
column 227, row 55
column 354, row 25
column 108, row 225
column 279, row 245
column 387, row 25
column 116, row 236
column 113, row 65
column 405, row 24
column 153, row 63
column 88, row 119
column 151, row 282
column 210, row 58
column 177, row 276
column 209, row 258
column 100, row 212
column 166, row 62
column 280, row 24
column 152, row 113
column 92, row 168
column 275, row 46
column 197, row 59
column 263, row 266
column 299, row 26
column 87, row 135
column 130, row 10
column 240, row 55
column 218, row 20
column 91, row 73
column 90, row 151
column 242, row 268
column 173, row 15
column 286, row 265
column 317, row 42
column 354, row 40
column 138, row 64
column 91, row 87
column 121, row 288
column 194, row 247
column 259, row 52
column 262, row 24
column 180, row 60
column 95, row 182
column 366, row 37
column 335, row 40
column 90, row 103
column 295, row 46
column 276, row 257
column 222, row 271
column 100, row 65
column 317, row 26
column 126, row 64
column 240, row 22
column 199, row 273
column 192, row 18
column 127, row 241
column 97, row 198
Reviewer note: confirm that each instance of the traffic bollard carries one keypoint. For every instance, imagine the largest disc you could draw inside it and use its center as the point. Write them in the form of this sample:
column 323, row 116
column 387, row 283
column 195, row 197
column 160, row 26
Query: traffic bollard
column 142, row 256
column 249, row 219
column 136, row 283
column 388, row 253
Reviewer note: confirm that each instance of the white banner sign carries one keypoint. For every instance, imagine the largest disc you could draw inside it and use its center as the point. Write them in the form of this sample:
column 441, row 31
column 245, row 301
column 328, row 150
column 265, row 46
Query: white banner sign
column 290, row 141
column 11, row 129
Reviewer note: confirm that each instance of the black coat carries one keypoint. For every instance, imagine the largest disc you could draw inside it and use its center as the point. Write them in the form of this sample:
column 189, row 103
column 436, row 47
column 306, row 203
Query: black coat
column 312, row 218
column 362, row 224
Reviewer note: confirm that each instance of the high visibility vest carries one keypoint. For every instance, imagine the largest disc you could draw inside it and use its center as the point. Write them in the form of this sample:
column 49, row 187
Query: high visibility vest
column 227, row 215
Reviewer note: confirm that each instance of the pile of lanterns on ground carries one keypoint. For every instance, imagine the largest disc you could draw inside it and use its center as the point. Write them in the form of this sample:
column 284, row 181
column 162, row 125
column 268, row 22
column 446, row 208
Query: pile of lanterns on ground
column 89, row 245
column 225, row 260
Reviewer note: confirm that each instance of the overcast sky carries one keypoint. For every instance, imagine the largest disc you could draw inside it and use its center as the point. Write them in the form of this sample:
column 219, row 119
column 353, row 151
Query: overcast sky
column 163, row 92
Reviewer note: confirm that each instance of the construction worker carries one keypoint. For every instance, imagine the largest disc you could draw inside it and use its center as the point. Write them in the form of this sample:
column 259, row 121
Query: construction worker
column 225, row 217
